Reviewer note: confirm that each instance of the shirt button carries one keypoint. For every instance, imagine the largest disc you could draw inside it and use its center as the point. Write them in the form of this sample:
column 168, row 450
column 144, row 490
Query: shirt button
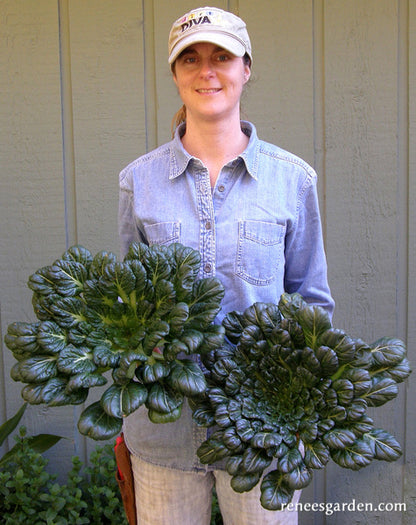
column 221, row 188
column 208, row 225
column 207, row 268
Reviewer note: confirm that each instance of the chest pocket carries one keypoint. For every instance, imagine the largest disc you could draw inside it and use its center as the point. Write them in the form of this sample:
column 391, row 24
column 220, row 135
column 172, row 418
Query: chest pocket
column 163, row 232
column 260, row 251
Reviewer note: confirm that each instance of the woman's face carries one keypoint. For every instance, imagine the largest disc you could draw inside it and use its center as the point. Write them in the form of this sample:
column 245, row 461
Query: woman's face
column 210, row 81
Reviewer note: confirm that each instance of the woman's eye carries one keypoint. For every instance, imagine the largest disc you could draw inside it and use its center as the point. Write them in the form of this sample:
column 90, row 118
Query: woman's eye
column 222, row 58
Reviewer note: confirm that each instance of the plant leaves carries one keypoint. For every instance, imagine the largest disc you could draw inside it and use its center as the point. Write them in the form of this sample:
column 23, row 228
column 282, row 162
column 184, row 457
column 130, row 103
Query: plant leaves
column 150, row 373
column 68, row 312
column 38, row 369
column 76, row 360
column 99, row 262
column 156, row 264
column 51, row 337
column 341, row 344
column 164, row 296
column 78, row 254
column 245, row 482
column 22, row 337
column 255, row 460
column 316, row 455
column 290, row 304
column 122, row 400
column 95, row 423
column 203, row 415
column 360, row 379
column 212, row 450
column 339, row 438
column 398, row 372
column 274, row 493
column 383, row 445
column 55, row 393
column 105, row 357
column 187, row 377
column 168, row 417
column 118, row 279
column 387, row 352
column 41, row 282
column 298, row 478
column 345, row 391
column 354, row 456
column 69, row 276
column 39, row 443
column 163, row 399
column 291, row 460
column 84, row 380
column 266, row 440
column 208, row 290
column 8, row 426
column 382, row 390
column 314, row 321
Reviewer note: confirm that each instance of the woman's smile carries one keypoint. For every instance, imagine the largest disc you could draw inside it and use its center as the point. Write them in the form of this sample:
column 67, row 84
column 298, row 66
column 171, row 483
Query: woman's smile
column 208, row 91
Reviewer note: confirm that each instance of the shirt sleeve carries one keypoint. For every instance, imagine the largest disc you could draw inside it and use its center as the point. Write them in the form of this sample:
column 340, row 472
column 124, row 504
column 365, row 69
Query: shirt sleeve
column 127, row 225
column 305, row 259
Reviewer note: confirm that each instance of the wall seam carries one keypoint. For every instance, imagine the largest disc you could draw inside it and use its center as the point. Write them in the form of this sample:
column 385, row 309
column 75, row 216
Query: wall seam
column 402, row 199
column 149, row 75
column 402, row 167
column 67, row 125
column 319, row 105
column 318, row 86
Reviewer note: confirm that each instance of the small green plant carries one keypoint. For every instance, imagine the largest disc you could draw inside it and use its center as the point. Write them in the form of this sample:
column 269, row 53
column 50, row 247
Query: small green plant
column 30, row 495
column 38, row 443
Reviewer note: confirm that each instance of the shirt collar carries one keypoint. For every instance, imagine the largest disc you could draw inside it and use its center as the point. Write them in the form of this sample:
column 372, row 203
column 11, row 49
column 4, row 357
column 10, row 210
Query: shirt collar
column 180, row 158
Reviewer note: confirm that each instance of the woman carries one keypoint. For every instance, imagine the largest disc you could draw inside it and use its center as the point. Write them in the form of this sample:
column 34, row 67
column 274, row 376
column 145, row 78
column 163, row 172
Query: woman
column 251, row 210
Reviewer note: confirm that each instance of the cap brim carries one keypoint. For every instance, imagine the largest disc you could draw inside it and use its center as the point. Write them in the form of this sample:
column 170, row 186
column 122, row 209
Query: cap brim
column 225, row 41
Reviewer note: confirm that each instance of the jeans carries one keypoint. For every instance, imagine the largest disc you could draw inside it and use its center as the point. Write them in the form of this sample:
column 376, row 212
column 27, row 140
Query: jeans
column 166, row 496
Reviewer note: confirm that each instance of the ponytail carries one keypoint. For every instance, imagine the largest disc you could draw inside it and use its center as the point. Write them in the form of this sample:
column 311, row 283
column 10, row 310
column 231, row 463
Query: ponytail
column 178, row 119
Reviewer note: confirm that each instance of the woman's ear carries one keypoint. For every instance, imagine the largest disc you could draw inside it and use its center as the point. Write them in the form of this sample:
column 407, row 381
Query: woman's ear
column 247, row 73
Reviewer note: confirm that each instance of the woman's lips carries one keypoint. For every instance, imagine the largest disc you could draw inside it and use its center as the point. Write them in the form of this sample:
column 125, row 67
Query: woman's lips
column 208, row 91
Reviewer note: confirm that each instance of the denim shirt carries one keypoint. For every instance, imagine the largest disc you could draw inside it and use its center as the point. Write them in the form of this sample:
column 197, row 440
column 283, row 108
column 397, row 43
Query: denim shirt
column 258, row 230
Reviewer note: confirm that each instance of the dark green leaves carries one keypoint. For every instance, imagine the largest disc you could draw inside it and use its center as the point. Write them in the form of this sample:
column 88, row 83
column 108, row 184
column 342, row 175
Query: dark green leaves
column 291, row 388
column 121, row 400
column 140, row 318
column 69, row 276
column 37, row 369
column 187, row 377
column 95, row 423
column 354, row 456
column 75, row 360
column 274, row 491
column 383, row 445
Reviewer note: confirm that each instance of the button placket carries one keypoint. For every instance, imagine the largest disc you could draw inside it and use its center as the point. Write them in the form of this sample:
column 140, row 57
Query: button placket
column 207, row 223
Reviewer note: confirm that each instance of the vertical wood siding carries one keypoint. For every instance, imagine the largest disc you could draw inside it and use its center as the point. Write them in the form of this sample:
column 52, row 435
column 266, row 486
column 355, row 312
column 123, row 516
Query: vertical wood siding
column 85, row 88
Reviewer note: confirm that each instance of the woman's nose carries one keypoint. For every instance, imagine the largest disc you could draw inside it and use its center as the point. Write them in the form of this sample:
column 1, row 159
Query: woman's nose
column 206, row 68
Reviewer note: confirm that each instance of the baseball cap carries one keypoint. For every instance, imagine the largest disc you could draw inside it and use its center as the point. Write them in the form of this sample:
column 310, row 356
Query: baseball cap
column 209, row 24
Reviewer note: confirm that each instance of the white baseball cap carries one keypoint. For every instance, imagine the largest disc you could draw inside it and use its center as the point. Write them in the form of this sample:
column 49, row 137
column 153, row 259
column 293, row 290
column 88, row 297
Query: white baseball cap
column 209, row 24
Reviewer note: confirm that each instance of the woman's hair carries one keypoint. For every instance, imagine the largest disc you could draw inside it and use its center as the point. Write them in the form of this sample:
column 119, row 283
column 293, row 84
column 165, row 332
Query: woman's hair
column 180, row 115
